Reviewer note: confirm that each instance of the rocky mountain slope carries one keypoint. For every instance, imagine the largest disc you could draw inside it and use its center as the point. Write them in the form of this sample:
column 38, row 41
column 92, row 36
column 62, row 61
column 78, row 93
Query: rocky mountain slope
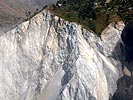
column 47, row 58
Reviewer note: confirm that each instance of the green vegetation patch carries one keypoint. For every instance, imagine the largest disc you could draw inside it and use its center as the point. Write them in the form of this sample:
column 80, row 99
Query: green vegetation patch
column 94, row 15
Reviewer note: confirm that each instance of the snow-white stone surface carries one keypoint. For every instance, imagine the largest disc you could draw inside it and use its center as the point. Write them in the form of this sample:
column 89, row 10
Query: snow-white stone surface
column 47, row 58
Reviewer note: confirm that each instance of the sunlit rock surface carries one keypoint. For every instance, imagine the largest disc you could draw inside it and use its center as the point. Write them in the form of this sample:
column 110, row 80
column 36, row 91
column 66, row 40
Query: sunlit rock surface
column 47, row 58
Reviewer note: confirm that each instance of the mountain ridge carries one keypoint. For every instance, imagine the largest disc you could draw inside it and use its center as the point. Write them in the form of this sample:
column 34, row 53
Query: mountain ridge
column 35, row 50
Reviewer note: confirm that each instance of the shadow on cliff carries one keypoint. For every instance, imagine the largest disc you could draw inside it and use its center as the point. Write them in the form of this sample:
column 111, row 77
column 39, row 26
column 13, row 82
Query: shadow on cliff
column 125, row 49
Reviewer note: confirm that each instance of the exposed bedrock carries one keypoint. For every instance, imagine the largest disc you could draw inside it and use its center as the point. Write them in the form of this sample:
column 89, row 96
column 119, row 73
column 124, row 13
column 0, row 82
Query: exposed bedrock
column 47, row 58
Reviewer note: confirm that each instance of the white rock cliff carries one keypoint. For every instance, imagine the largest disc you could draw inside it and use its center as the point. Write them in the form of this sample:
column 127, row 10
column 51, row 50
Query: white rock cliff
column 47, row 58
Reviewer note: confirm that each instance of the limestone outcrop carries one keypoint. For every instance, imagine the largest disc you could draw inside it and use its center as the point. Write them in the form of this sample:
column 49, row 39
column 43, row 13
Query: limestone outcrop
column 48, row 58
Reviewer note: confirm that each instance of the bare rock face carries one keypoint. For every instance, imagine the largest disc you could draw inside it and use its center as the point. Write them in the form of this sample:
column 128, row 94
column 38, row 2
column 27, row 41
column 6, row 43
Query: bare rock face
column 47, row 58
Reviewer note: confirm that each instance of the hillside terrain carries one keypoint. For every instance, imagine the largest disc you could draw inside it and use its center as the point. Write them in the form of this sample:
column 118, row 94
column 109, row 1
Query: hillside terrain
column 74, row 50
column 14, row 12
column 48, row 58
column 94, row 15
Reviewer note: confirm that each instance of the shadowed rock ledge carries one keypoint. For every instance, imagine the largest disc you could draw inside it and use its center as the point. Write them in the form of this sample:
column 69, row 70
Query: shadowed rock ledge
column 125, row 83
column 125, row 89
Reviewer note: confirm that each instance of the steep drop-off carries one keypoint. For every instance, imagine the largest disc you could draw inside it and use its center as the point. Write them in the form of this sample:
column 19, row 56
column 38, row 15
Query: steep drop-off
column 125, row 83
column 47, row 58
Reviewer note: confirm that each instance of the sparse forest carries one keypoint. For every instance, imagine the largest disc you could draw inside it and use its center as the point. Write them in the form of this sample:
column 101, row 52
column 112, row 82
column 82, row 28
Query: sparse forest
column 94, row 15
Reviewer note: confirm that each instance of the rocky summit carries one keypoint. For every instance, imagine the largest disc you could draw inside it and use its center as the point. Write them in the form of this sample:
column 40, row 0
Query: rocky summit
column 47, row 58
